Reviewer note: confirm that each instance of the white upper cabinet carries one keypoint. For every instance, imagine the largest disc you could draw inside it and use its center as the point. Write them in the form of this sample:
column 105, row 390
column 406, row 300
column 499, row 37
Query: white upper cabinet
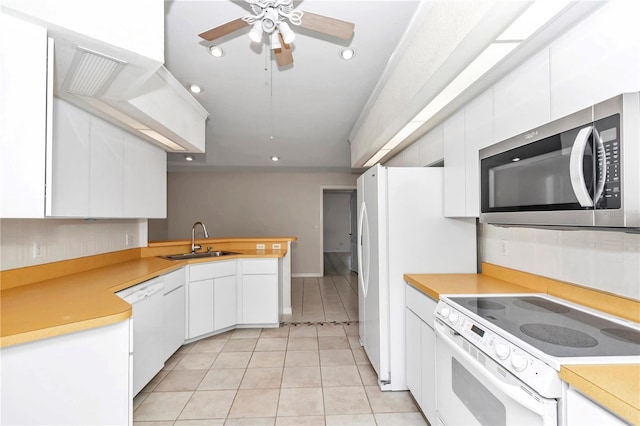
column 68, row 183
column 145, row 175
column 598, row 59
column 24, row 92
column 100, row 171
column 106, row 170
column 454, row 166
column 522, row 100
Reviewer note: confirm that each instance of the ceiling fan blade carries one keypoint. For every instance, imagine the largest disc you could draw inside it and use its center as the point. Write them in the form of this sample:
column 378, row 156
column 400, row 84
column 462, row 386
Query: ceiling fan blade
column 283, row 55
column 223, row 30
column 324, row 24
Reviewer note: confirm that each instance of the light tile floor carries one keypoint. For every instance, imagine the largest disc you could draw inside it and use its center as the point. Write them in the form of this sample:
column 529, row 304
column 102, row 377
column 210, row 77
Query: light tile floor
column 310, row 371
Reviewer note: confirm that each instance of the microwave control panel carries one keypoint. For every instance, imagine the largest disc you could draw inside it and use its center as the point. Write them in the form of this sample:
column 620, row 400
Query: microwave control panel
column 609, row 131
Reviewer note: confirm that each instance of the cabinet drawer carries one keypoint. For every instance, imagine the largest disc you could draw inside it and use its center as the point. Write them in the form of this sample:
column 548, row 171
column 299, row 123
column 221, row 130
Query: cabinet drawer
column 173, row 280
column 259, row 266
column 421, row 304
column 212, row 270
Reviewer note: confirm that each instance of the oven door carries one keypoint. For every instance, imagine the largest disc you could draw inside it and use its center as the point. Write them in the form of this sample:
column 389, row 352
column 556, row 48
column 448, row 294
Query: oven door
column 472, row 389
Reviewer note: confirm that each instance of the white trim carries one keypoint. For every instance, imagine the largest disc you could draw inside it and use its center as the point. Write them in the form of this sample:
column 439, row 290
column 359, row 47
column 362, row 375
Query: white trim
column 307, row 275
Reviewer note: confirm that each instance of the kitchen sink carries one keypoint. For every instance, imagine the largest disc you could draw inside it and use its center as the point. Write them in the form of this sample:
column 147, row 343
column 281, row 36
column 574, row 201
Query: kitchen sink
column 204, row 254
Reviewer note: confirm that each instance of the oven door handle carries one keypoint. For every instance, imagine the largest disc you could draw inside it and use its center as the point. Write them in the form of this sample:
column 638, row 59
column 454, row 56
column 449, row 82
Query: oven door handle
column 514, row 392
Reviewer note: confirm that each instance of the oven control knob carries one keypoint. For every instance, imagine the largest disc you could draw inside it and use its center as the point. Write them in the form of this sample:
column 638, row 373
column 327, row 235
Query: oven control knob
column 503, row 351
column 519, row 362
column 453, row 317
column 445, row 312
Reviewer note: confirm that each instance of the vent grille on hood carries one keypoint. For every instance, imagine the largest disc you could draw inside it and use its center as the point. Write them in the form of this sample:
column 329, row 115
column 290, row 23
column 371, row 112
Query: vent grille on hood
column 91, row 73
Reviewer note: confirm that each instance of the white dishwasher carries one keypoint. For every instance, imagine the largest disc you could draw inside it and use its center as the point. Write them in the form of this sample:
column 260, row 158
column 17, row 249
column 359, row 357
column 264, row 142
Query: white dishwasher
column 147, row 302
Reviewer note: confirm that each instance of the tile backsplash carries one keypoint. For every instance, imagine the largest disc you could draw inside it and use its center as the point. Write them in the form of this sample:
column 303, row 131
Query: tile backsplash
column 62, row 239
column 603, row 260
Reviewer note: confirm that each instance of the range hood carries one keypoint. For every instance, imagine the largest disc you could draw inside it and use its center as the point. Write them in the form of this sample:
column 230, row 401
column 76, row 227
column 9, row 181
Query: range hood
column 138, row 95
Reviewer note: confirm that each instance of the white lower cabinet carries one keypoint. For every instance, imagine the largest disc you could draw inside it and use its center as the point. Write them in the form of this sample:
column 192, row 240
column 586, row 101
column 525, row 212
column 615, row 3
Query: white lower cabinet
column 258, row 292
column 225, row 296
column 582, row 411
column 421, row 350
column 79, row 378
column 204, row 280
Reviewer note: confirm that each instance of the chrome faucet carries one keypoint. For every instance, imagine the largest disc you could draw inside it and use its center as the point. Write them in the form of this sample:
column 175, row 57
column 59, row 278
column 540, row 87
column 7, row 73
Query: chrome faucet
column 195, row 246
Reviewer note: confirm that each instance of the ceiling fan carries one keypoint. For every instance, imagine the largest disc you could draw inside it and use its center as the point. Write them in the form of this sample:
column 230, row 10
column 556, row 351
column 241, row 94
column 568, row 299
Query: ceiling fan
column 271, row 16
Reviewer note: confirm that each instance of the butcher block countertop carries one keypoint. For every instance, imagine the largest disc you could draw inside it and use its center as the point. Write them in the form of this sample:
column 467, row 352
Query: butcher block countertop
column 615, row 387
column 63, row 297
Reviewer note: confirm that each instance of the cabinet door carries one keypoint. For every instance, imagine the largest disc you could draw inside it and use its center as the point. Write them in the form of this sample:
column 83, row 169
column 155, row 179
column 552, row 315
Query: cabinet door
column 23, row 117
column 260, row 299
column 428, row 362
column 145, row 179
column 582, row 411
column 200, row 307
column 454, row 164
column 478, row 133
column 521, row 100
column 106, row 179
column 414, row 348
column 79, row 378
column 68, row 190
column 224, row 302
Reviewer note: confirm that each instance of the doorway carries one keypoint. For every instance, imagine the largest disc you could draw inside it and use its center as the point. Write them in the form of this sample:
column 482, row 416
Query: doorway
column 339, row 226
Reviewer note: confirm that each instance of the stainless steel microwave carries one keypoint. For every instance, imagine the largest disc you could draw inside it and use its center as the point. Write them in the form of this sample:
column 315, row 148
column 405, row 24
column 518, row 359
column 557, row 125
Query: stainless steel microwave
column 579, row 170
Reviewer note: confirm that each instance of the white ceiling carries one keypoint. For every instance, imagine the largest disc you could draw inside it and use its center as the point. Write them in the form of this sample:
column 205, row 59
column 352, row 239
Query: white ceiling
column 309, row 108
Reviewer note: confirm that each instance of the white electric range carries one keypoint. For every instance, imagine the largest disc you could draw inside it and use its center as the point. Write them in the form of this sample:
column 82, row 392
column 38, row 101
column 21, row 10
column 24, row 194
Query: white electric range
column 499, row 355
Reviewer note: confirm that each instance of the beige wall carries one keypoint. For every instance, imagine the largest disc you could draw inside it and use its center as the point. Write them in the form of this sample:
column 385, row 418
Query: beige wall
column 252, row 204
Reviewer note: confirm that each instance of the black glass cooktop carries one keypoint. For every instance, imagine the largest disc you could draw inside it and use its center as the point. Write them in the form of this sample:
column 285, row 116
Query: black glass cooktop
column 554, row 328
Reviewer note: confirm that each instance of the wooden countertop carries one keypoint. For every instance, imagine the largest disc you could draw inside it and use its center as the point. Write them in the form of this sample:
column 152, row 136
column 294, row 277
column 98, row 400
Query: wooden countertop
column 80, row 293
column 436, row 284
column 616, row 387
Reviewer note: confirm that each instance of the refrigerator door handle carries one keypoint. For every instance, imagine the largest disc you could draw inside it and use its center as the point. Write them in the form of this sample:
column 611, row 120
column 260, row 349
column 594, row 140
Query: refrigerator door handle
column 363, row 227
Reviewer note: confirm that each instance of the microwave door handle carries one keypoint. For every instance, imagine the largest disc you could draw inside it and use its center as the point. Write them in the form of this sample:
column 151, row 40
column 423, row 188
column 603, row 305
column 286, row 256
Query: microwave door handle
column 601, row 165
column 575, row 167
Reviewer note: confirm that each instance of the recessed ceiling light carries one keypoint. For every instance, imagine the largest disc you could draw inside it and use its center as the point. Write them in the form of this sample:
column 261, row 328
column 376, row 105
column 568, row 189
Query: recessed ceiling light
column 195, row 88
column 188, row 157
column 216, row 51
column 275, row 158
column 347, row 53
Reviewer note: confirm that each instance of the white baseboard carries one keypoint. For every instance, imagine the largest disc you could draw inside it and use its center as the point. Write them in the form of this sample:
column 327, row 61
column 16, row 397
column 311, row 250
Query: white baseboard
column 287, row 311
column 307, row 275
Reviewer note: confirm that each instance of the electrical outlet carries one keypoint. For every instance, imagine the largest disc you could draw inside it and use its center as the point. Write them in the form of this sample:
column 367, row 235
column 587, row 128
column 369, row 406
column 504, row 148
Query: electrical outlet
column 260, row 246
column 37, row 249
column 275, row 246
column 504, row 248
column 128, row 240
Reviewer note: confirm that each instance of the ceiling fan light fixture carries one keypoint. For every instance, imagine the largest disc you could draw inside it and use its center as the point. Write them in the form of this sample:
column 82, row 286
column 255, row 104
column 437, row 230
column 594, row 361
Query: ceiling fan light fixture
column 347, row 53
column 216, row 51
column 270, row 20
column 275, row 41
column 287, row 34
column 256, row 32
column 195, row 88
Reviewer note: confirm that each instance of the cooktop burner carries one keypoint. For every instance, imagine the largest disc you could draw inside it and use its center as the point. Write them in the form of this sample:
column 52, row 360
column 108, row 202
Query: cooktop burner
column 557, row 335
column 555, row 328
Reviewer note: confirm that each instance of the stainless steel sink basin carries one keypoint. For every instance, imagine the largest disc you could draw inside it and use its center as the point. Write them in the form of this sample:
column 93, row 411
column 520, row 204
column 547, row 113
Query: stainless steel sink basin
column 185, row 256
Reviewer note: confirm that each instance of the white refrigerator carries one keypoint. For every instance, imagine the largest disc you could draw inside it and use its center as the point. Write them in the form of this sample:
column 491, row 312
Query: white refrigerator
column 401, row 230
